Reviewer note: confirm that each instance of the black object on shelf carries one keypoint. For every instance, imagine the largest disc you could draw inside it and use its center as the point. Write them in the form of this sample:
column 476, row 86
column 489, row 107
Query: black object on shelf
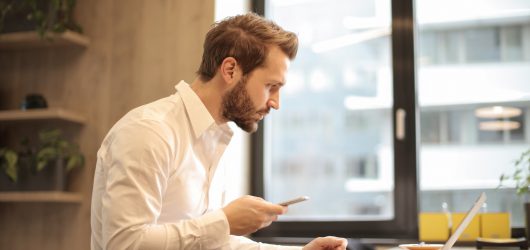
column 34, row 101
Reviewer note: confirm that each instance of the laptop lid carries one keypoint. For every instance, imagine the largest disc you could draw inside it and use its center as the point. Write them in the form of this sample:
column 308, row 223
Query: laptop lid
column 465, row 222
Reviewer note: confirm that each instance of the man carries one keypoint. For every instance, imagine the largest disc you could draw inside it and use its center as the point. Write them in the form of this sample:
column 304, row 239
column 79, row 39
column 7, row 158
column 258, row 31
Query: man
column 156, row 184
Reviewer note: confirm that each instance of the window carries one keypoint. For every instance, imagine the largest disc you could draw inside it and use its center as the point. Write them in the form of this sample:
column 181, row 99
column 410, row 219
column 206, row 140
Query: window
column 458, row 45
column 333, row 76
column 474, row 100
column 333, row 138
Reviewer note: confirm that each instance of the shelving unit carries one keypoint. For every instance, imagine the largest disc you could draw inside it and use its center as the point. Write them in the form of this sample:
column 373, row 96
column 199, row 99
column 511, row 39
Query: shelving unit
column 40, row 196
column 30, row 39
column 38, row 115
column 45, row 216
column 41, row 114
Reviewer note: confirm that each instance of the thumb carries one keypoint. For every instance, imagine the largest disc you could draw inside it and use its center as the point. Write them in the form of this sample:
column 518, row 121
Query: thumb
column 276, row 209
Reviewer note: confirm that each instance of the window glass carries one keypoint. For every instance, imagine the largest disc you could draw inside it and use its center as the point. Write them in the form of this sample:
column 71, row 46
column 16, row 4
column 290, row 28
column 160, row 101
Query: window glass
column 474, row 104
column 333, row 134
column 482, row 44
column 512, row 43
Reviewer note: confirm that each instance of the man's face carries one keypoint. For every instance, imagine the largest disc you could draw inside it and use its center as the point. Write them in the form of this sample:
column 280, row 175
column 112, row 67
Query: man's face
column 256, row 93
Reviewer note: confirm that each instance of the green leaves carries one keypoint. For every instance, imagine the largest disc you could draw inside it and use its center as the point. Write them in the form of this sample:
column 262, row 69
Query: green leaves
column 54, row 147
column 49, row 15
column 45, row 155
column 74, row 161
column 50, row 148
column 8, row 161
column 520, row 175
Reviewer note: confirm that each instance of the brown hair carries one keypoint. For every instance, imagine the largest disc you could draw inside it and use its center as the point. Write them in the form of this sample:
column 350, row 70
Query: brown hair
column 246, row 38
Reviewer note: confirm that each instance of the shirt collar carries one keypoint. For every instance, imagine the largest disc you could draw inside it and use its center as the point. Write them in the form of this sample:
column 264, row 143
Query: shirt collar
column 200, row 117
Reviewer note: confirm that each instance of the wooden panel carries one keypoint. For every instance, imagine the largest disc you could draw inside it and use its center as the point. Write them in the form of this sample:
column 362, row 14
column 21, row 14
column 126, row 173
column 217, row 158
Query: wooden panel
column 39, row 226
column 138, row 51
column 31, row 40
column 41, row 196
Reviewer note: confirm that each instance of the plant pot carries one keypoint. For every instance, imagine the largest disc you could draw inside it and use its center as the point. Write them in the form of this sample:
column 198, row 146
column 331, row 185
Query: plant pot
column 52, row 177
column 7, row 184
column 17, row 19
column 527, row 217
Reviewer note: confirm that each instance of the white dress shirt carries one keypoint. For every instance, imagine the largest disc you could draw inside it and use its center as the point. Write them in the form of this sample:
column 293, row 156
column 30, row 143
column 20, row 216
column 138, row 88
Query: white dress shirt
column 157, row 185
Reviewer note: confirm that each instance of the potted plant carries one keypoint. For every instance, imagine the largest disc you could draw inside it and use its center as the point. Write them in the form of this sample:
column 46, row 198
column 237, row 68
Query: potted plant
column 521, row 177
column 41, row 166
column 42, row 16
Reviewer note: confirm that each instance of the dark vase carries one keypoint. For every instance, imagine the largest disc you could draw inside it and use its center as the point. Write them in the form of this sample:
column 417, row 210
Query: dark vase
column 34, row 101
column 527, row 217
column 51, row 178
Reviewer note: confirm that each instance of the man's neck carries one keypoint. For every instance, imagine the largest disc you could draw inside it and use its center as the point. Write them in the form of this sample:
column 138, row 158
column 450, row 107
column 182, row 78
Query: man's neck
column 211, row 94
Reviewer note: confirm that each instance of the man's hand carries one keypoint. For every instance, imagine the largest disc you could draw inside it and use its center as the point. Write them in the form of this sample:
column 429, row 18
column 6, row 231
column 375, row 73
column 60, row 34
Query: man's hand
column 248, row 214
column 327, row 243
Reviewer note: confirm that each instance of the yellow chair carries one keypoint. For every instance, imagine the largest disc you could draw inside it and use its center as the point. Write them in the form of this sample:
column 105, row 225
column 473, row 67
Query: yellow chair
column 495, row 225
column 433, row 227
column 472, row 232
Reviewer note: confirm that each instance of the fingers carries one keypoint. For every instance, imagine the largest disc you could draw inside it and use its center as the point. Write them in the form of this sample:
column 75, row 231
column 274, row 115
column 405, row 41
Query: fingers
column 343, row 244
column 267, row 220
column 268, row 207
column 329, row 242
column 270, row 214
column 266, row 224
column 250, row 213
column 277, row 209
column 335, row 242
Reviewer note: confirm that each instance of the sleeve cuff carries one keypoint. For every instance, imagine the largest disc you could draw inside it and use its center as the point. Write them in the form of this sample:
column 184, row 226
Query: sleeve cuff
column 215, row 229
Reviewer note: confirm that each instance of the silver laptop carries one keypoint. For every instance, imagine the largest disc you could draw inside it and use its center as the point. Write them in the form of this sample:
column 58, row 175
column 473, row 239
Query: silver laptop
column 465, row 222
column 456, row 234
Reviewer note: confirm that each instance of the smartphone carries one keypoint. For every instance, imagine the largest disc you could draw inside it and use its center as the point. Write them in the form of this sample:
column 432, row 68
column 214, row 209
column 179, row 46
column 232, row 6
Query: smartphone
column 293, row 201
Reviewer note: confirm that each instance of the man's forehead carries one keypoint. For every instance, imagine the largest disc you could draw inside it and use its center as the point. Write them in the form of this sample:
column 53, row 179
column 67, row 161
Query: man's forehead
column 273, row 73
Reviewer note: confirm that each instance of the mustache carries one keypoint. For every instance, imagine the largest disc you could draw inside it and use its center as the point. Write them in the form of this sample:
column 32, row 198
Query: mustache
column 264, row 111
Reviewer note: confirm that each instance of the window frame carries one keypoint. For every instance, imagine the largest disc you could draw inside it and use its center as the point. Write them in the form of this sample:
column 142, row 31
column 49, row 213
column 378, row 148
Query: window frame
column 405, row 222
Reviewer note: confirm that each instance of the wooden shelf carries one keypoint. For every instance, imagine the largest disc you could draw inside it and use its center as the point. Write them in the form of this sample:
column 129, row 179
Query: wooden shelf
column 41, row 114
column 40, row 196
column 30, row 39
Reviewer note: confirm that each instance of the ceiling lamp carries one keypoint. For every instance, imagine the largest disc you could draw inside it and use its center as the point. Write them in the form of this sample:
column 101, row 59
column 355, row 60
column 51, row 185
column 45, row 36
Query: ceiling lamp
column 495, row 112
column 499, row 125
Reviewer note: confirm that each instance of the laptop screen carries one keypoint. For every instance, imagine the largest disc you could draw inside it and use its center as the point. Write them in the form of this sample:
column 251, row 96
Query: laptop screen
column 456, row 234
column 465, row 222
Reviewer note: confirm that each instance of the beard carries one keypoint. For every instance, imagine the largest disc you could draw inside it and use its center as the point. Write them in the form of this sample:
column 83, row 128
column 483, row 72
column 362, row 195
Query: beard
column 239, row 108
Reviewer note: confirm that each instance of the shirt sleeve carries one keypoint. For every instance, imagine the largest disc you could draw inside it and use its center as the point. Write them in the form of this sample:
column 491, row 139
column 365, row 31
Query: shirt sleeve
column 137, row 172
column 243, row 243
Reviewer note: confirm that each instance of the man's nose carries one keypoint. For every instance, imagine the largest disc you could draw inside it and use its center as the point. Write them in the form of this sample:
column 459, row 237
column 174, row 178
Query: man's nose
column 274, row 101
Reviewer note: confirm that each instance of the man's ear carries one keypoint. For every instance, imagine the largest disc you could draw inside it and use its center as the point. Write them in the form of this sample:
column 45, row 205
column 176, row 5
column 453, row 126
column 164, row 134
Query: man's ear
column 230, row 70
